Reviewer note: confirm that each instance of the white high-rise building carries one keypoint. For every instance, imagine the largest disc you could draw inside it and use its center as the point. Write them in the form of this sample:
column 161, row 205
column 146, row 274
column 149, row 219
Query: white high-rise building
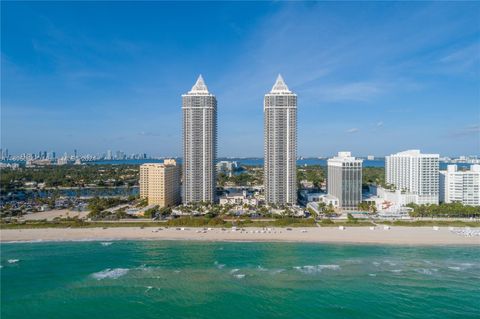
column 199, row 144
column 416, row 173
column 344, row 180
column 460, row 186
column 280, row 144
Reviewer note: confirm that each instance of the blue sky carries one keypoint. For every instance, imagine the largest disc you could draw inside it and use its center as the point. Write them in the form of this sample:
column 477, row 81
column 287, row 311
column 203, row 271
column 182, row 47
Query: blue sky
column 373, row 78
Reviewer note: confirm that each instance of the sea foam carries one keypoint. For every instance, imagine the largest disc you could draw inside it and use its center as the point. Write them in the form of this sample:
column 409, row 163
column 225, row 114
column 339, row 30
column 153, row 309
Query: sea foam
column 110, row 273
column 308, row 269
column 426, row 271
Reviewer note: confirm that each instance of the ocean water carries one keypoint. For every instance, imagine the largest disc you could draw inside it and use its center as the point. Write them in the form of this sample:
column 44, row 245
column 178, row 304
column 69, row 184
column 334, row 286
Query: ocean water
column 173, row 279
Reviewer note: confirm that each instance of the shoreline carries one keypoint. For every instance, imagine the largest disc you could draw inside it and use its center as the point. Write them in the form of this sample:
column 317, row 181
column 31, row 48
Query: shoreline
column 421, row 236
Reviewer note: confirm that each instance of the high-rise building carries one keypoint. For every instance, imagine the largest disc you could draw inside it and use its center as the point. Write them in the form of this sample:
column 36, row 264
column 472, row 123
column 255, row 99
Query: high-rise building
column 199, row 144
column 160, row 183
column 460, row 186
column 416, row 173
column 344, row 180
column 280, row 144
column 109, row 155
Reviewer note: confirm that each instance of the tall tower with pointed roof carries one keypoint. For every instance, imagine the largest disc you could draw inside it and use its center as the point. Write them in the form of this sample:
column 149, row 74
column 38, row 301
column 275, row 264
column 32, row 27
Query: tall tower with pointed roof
column 199, row 108
column 280, row 144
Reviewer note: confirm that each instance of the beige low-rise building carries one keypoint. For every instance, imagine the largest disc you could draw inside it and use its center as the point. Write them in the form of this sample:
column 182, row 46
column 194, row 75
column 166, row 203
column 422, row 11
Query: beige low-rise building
column 160, row 183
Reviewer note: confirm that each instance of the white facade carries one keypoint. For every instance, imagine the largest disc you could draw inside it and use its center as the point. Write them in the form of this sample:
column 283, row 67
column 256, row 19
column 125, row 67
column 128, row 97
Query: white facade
column 280, row 144
column 199, row 144
column 415, row 173
column 239, row 199
column 226, row 167
column 344, row 180
column 390, row 203
column 460, row 186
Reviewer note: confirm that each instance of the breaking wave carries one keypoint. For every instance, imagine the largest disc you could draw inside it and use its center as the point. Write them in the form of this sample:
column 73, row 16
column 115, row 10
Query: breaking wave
column 315, row 269
column 110, row 273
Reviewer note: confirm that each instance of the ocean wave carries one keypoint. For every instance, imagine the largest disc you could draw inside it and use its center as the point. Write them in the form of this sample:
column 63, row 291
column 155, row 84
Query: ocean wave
column 461, row 266
column 308, row 269
column 234, row 270
column 13, row 261
column 144, row 267
column 260, row 268
column 390, row 263
column 426, row 271
column 219, row 266
column 277, row 271
column 455, row 268
column 396, row 270
column 110, row 273
column 106, row 243
column 240, row 276
column 33, row 241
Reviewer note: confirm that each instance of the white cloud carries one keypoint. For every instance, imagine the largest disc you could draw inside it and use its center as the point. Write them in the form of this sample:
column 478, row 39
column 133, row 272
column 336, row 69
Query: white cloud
column 352, row 130
column 467, row 131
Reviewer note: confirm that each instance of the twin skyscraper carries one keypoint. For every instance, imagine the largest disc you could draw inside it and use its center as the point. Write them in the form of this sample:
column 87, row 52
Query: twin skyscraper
column 200, row 144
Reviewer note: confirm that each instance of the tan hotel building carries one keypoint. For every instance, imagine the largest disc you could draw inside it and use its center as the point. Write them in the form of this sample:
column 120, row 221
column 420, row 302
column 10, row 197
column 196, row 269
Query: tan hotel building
column 160, row 183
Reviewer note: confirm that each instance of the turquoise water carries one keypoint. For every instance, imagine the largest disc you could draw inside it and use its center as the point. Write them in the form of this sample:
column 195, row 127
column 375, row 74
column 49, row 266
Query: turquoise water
column 167, row 279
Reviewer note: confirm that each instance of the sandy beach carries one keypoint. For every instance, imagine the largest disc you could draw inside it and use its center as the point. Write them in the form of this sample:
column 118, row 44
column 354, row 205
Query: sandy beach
column 360, row 235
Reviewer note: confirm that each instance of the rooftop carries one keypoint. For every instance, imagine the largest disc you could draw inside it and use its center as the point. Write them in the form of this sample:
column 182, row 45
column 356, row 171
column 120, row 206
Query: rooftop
column 280, row 87
column 200, row 87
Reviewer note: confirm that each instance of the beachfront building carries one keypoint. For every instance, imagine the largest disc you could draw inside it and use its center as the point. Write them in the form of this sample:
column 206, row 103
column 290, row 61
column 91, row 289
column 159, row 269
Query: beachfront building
column 280, row 144
column 239, row 198
column 416, row 173
column 344, row 180
column 199, row 144
column 460, row 186
column 160, row 183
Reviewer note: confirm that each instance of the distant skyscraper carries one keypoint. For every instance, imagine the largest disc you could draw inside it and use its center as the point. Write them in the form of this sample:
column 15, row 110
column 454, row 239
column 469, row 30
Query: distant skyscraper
column 199, row 144
column 344, row 180
column 280, row 144
column 160, row 183
column 460, row 186
column 109, row 155
column 414, row 172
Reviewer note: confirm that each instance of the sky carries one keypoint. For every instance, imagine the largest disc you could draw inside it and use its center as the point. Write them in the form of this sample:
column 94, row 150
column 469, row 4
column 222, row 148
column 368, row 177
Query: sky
column 371, row 77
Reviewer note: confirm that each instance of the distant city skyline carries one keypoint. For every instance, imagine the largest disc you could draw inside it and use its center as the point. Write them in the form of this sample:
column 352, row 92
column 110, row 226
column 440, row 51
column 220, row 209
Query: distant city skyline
column 371, row 78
